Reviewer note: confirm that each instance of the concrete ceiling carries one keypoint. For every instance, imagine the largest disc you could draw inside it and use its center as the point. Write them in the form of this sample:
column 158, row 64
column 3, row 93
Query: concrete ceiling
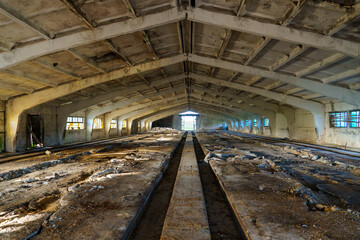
column 45, row 46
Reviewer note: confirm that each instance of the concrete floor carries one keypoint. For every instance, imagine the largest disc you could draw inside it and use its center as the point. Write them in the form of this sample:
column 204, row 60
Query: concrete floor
column 86, row 193
column 272, row 189
column 285, row 192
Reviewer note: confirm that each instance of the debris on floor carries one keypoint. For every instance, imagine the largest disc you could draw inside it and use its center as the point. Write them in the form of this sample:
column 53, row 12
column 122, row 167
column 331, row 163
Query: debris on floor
column 286, row 193
column 90, row 192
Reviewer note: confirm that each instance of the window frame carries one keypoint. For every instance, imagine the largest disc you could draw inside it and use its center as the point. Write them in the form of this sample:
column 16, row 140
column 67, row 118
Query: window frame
column 248, row 125
column 112, row 123
column 266, row 122
column 357, row 119
column 349, row 120
column 254, row 122
column 75, row 121
column 96, row 122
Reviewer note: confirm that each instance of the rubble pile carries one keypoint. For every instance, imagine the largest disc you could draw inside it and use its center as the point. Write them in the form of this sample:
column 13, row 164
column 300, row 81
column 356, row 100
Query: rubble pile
column 164, row 129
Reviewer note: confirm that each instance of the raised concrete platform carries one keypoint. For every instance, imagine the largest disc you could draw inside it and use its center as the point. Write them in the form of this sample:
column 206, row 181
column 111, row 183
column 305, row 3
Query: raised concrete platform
column 270, row 203
column 186, row 217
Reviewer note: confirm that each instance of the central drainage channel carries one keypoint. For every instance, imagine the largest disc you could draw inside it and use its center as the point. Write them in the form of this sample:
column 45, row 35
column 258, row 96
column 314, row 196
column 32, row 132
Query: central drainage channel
column 152, row 220
column 222, row 222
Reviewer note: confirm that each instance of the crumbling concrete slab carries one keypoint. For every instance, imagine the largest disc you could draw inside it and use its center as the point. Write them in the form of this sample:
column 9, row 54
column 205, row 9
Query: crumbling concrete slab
column 94, row 196
column 271, row 202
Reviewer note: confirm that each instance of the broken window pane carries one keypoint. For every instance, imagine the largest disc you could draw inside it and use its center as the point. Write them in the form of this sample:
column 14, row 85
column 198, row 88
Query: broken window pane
column 354, row 119
column 113, row 124
column 75, row 123
column 98, row 123
column 338, row 119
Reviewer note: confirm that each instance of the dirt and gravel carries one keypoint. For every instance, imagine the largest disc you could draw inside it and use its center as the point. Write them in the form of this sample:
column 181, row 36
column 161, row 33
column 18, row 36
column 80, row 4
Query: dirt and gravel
column 286, row 192
column 274, row 190
column 88, row 193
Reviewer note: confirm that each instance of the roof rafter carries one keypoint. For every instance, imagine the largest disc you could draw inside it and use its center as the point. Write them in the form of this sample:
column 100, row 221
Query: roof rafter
column 237, row 105
column 91, row 25
column 336, row 92
column 16, row 88
column 202, row 100
column 117, row 112
column 18, row 55
column 298, row 50
column 294, row 101
column 47, row 95
column 30, row 78
column 275, row 31
column 259, row 103
column 18, row 18
column 56, row 68
column 286, row 21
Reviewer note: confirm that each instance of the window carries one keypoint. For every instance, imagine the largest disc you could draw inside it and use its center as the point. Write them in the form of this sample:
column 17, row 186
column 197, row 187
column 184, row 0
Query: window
column 242, row 124
column 139, row 125
column 98, row 123
column 255, row 123
column 266, row 122
column 188, row 123
column 339, row 119
column 248, row 123
column 124, row 124
column 354, row 119
column 75, row 123
column 113, row 123
column 188, row 120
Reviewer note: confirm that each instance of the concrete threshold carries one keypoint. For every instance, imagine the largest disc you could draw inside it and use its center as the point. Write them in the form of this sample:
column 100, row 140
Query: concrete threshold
column 186, row 217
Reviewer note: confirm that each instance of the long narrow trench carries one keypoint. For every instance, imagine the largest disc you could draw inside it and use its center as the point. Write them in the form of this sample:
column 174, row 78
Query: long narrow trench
column 222, row 222
column 152, row 220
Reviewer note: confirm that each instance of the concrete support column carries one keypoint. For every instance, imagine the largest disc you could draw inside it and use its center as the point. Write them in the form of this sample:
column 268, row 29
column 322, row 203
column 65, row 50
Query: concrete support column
column 272, row 125
column 107, row 124
column 61, row 125
column 119, row 125
column 129, row 125
column 247, row 129
column 238, row 125
column 259, row 124
column 142, row 126
column 89, row 121
column 228, row 123
column 147, row 126
column 150, row 125
column 232, row 125
column 290, row 118
column 319, row 120
column 241, row 128
column 11, row 127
